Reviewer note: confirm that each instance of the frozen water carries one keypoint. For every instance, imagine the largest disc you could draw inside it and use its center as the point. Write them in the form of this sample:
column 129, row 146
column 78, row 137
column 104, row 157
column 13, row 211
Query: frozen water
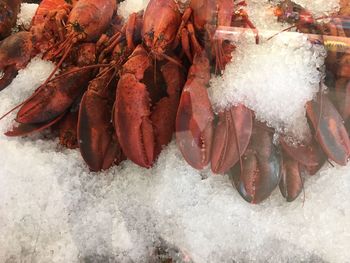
column 25, row 16
column 53, row 209
column 125, row 8
column 257, row 78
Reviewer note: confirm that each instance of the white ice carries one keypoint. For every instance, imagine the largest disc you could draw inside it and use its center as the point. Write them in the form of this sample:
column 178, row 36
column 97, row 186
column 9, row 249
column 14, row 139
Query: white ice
column 125, row 8
column 25, row 16
column 53, row 209
column 275, row 79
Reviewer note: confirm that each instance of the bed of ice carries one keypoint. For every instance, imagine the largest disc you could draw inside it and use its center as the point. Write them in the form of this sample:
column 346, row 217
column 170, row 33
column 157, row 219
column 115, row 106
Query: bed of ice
column 53, row 209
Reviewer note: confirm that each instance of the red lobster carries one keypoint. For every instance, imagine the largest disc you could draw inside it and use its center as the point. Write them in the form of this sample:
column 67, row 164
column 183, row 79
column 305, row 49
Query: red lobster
column 197, row 140
column 98, row 142
column 86, row 21
column 331, row 138
column 50, row 101
column 149, row 88
column 17, row 49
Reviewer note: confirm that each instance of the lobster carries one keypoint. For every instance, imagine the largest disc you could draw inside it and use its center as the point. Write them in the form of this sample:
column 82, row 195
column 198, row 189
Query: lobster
column 98, row 142
column 86, row 21
column 92, row 130
column 201, row 144
column 50, row 102
column 143, row 129
column 331, row 139
column 8, row 16
column 149, row 87
column 17, row 49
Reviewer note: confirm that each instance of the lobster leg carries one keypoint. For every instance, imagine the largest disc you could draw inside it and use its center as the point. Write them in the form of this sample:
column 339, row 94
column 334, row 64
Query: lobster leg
column 329, row 129
column 231, row 138
column 260, row 171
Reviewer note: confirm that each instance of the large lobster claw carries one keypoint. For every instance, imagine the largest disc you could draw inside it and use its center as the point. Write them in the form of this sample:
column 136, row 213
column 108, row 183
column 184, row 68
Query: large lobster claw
column 139, row 126
column 96, row 136
column 260, row 169
column 164, row 113
column 54, row 98
column 329, row 129
column 231, row 137
column 194, row 120
column 15, row 53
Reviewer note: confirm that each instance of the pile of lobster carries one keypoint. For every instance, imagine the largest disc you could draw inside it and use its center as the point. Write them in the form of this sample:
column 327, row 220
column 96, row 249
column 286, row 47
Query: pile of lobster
column 122, row 90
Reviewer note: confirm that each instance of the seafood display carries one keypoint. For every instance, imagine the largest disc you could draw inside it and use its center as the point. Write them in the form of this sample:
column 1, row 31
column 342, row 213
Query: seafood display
column 123, row 88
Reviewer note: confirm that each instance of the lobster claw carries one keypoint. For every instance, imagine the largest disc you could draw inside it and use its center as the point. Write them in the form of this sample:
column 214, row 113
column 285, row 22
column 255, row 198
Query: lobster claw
column 98, row 144
column 15, row 53
column 54, row 98
column 8, row 74
column 329, row 129
column 164, row 113
column 260, row 169
column 194, row 120
column 291, row 183
column 231, row 137
column 141, row 115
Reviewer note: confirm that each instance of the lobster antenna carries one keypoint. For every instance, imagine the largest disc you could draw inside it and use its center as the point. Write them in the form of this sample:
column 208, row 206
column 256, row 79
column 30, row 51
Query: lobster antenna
column 77, row 70
column 294, row 26
column 284, row 30
column 16, row 107
column 59, row 63
column 170, row 59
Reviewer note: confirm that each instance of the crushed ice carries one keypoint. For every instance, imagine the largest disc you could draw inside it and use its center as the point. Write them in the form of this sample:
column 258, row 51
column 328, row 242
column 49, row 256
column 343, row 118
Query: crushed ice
column 53, row 209
column 25, row 16
column 257, row 78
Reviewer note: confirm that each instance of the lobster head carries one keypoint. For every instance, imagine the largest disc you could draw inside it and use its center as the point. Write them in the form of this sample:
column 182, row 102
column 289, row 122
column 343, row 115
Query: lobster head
column 161, row 21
